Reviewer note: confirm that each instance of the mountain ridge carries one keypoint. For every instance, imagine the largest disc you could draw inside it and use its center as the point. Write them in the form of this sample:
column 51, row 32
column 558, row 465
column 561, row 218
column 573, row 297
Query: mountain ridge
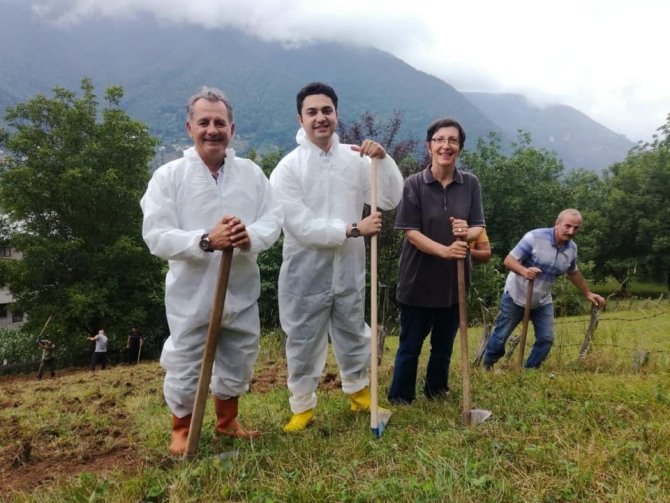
column 160, row 65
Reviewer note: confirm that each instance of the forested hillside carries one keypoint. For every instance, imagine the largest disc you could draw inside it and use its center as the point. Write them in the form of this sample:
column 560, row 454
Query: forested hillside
column 160, row 65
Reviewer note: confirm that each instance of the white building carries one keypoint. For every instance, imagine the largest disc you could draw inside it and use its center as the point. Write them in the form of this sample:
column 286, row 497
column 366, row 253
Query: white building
column 8, row 319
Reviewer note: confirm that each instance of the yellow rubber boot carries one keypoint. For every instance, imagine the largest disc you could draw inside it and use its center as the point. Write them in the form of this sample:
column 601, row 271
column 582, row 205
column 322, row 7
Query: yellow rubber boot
column 299, row 421
column 360, row 401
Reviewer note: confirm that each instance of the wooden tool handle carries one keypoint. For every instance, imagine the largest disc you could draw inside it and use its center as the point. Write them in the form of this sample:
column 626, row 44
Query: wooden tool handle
column 209, row 354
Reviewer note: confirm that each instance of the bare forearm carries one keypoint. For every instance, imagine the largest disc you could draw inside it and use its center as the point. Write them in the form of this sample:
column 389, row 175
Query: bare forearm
column 517, row 267
column 425, row 244
column 514, row 265
column 577, row 279
column 481, row 255
column 457, row 250
column 473, row 233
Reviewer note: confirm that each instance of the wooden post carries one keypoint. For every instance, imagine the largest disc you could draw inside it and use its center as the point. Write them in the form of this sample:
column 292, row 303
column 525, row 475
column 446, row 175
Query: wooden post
column 593, row 324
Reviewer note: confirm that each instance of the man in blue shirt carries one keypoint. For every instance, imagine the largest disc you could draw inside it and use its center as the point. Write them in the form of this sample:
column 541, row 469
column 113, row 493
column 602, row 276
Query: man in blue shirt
column 542, row 255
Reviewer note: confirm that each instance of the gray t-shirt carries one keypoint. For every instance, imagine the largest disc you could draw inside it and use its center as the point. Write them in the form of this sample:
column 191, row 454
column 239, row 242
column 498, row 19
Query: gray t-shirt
column 48, row 349
column 426, row 280
column 100, row 343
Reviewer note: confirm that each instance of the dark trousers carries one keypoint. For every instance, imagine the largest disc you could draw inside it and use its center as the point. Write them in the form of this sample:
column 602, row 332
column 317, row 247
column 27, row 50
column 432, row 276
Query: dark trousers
column 49, row 365
column 415, row 324
column 133, row 353
column 99, row 358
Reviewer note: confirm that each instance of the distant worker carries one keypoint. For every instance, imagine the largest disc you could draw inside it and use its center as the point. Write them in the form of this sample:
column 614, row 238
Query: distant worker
column 542, row 255
column 100, row 353
column 133, row 345
column 48, row 358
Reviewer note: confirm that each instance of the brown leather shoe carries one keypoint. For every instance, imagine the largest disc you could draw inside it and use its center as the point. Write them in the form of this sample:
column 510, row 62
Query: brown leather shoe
column 180, row 426
column 226, row 420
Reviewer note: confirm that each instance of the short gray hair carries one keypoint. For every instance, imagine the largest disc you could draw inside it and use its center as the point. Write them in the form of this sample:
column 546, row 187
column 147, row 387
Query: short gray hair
column 568, row 211
column 210, row 94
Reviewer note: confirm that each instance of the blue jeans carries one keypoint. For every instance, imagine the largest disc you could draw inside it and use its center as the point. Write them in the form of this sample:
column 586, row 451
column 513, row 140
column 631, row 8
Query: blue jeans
column 415, row 324
column 510, row 316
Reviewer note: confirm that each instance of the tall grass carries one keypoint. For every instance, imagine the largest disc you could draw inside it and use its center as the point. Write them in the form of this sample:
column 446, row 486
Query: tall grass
column 595, row 429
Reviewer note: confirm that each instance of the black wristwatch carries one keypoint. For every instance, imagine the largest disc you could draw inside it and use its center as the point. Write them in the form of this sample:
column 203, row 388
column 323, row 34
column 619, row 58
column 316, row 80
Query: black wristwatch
column 355, row 231
column 205, row 244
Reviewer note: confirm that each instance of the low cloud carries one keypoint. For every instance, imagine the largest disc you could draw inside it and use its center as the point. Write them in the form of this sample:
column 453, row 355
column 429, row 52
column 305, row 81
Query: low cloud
column 603, row 57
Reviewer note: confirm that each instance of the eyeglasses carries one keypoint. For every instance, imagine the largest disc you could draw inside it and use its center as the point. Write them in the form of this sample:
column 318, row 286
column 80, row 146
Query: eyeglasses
column 452, row 142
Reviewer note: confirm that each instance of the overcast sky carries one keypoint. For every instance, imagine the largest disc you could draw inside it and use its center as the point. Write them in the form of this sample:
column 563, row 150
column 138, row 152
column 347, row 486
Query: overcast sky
column 606, row 58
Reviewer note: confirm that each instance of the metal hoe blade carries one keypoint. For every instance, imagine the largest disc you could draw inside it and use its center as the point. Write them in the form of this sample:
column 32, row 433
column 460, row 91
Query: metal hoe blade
column 383, row 417
column 478, row 416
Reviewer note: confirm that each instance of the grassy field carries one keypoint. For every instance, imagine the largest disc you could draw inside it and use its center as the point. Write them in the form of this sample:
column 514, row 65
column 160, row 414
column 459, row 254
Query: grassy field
column 595, row 429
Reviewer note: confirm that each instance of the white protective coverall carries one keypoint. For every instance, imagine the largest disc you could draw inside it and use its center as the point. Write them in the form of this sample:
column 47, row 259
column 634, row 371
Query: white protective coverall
column 322, row 277
column 182, row 202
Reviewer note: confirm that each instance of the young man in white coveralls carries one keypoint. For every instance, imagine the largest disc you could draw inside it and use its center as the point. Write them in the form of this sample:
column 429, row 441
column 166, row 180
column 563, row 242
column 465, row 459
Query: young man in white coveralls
column 207, row 201
column 322, row 186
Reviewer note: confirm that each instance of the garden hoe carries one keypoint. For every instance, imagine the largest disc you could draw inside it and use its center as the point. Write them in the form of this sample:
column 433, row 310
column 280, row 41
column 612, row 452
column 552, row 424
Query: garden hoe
column 378, row 419
column 208, row 355
column 469, row 416
column 524, row 325
column 39, row 337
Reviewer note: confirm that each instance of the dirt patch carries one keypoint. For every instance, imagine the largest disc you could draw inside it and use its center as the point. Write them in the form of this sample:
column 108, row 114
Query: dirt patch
column 270, row 377
column 273, row 376
column 29, row 474
column 50, row 431
column 330, row 381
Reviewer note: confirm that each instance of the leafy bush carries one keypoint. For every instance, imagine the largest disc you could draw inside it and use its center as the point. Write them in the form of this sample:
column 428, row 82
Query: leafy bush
column 269, row 263
column 17, row 346
column 488, row 283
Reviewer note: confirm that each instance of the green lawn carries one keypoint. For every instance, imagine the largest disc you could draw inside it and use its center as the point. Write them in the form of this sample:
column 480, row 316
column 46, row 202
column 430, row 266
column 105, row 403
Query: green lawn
column 595, row 429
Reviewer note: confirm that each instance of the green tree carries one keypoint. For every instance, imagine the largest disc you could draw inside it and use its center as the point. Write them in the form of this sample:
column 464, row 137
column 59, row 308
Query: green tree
column 637, row 214
column 386, row 133
column 520, row 191
column 587, row 192
column 389, row 244
column 71, row 188
column 269, row 261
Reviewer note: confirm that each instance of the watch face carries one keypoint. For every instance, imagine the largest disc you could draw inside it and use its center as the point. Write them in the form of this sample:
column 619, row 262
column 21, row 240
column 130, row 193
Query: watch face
column 355, row 232
column 204, row 243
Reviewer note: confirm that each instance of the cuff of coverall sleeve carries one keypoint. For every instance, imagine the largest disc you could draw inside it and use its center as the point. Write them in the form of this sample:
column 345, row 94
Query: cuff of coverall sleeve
column 341, row 230
column 195, row 242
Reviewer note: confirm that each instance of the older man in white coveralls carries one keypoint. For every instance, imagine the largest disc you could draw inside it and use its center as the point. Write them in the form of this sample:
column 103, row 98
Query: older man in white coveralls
column 207, row 201
column 322, row 186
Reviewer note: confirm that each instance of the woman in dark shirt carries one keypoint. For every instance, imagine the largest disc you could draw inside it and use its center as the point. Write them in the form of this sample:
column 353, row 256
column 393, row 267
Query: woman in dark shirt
column 441, row 210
